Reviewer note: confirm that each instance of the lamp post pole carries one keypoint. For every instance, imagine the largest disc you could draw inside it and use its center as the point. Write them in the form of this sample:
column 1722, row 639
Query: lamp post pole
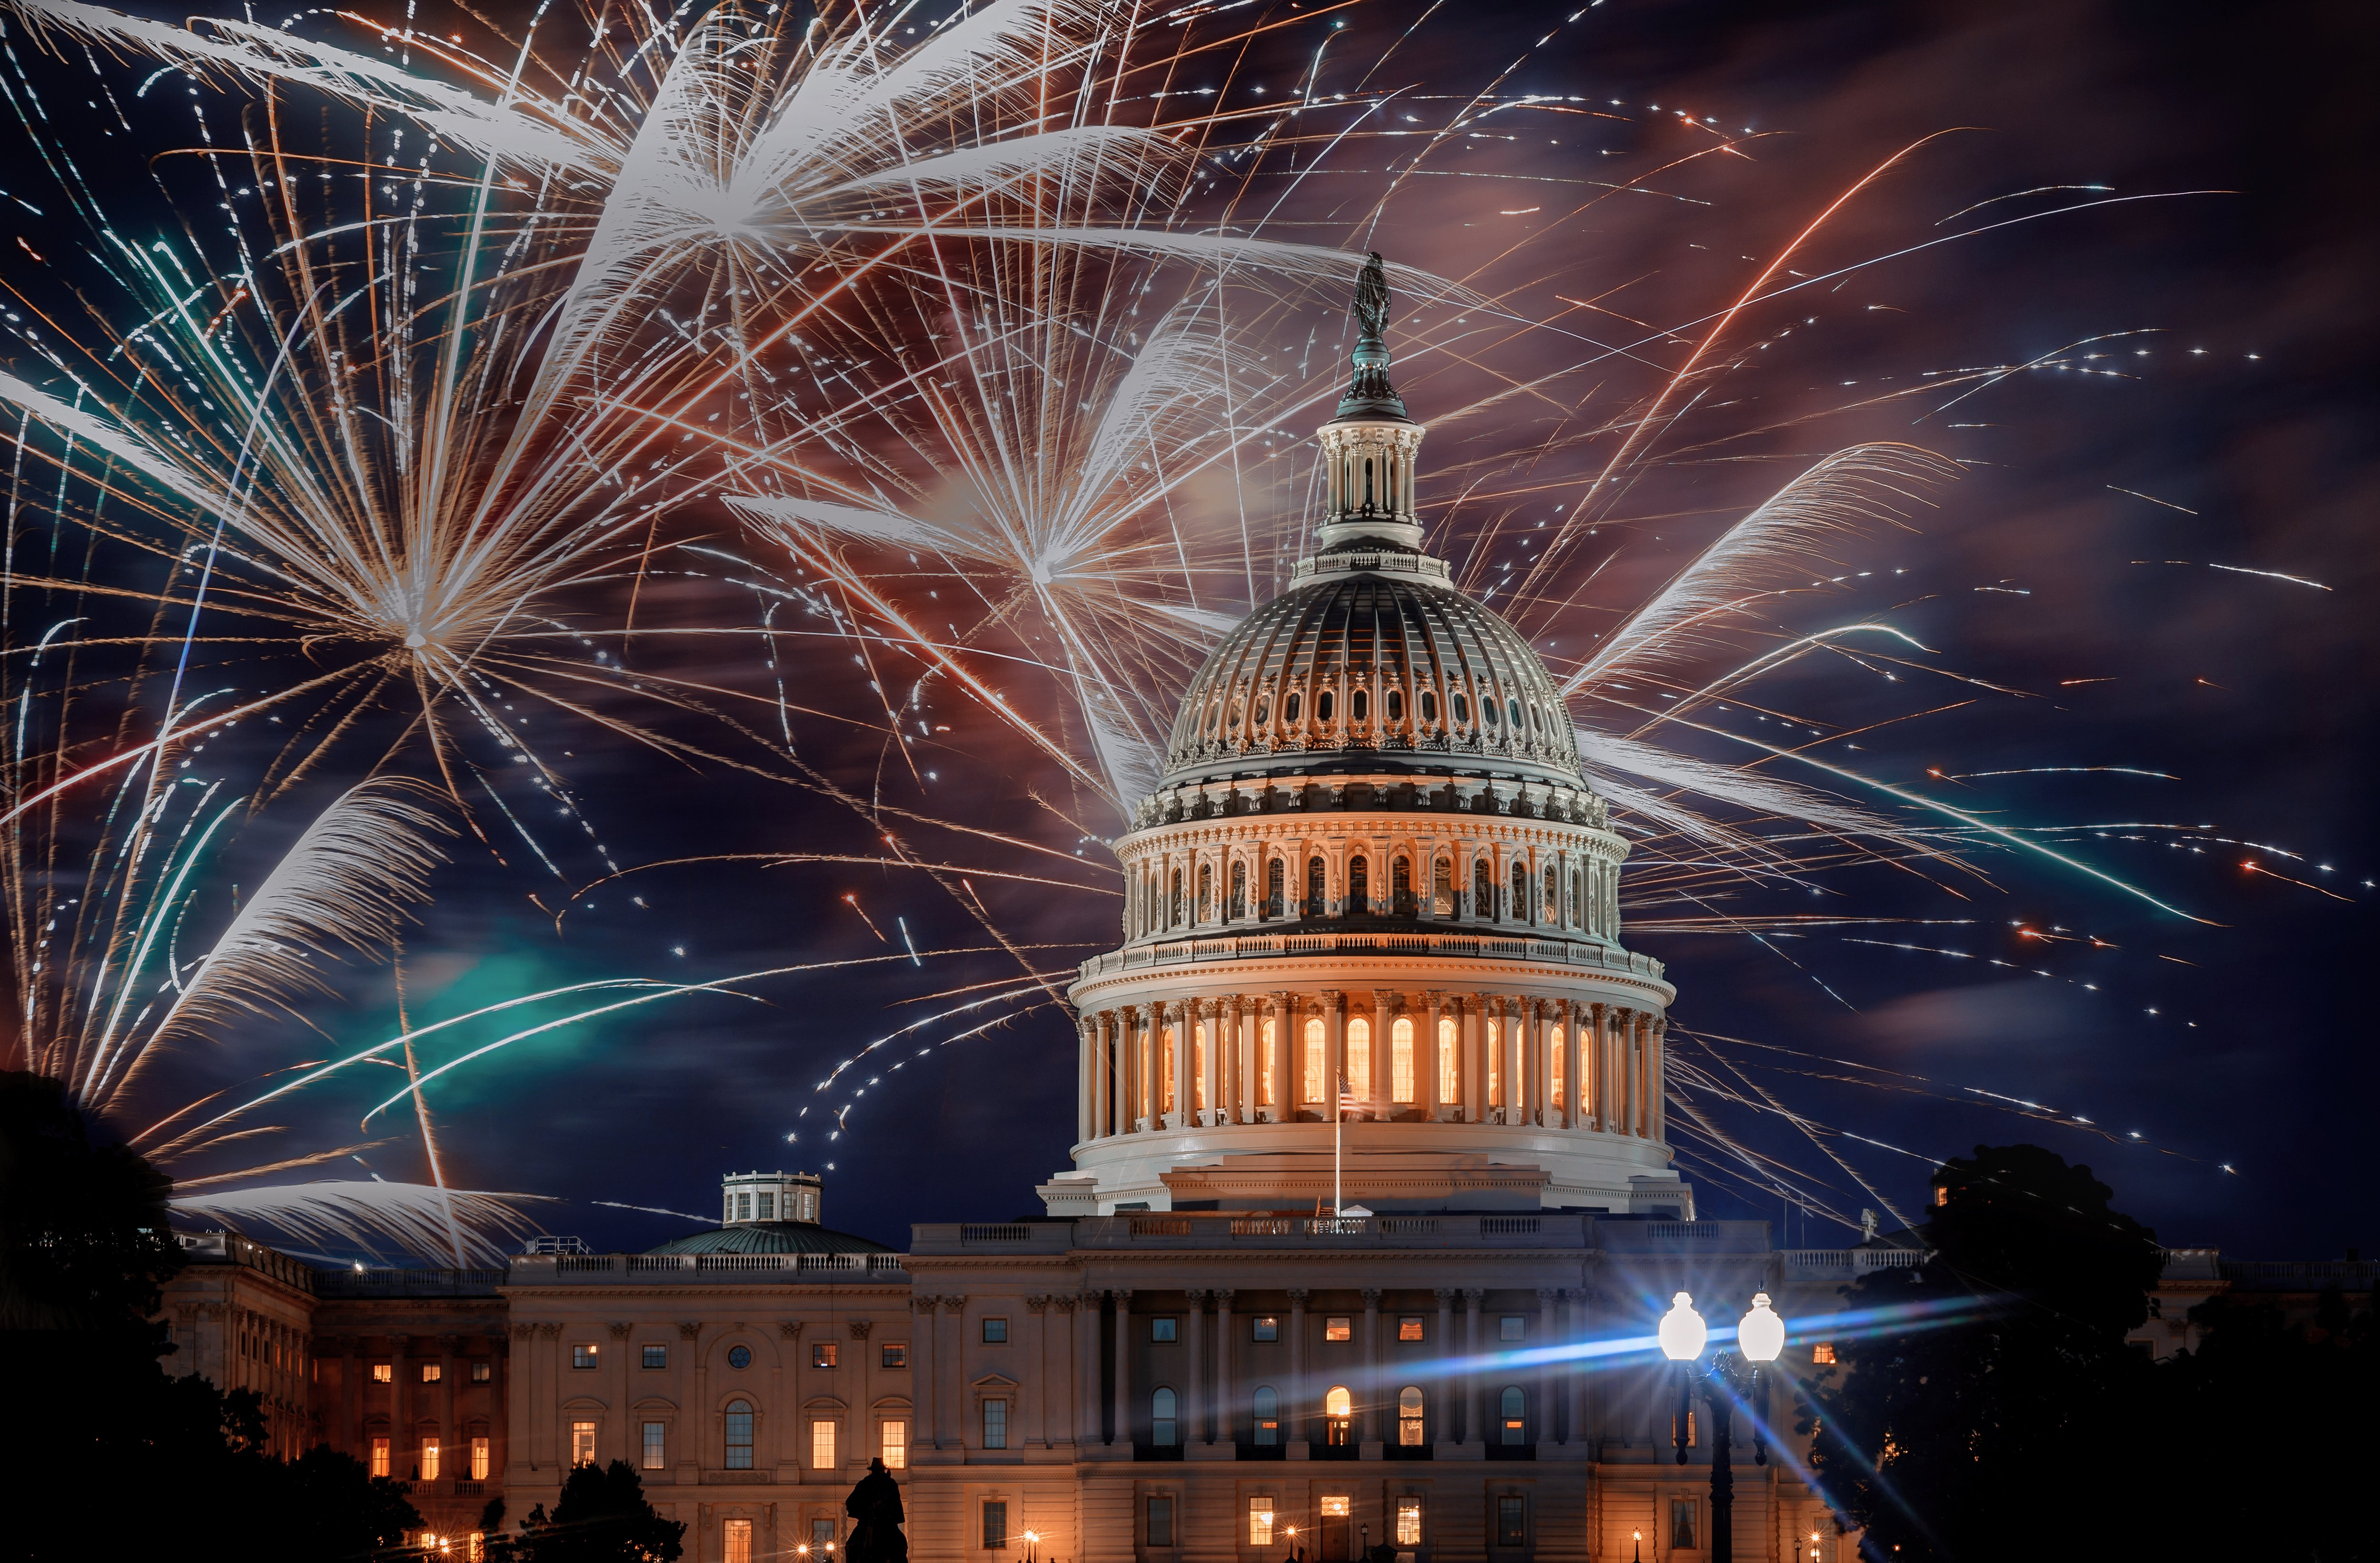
column 1760, row 1336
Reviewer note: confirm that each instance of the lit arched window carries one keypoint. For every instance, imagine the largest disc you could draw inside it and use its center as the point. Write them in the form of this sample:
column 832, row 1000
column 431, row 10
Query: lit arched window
column 1513, row 1407
column 1264, row 1097
column 1409, row 1418
column 1339, row 1411
column 1318, row 899
column 1450, row 1060
column 1206, row 891
column 1163, row 1430
column 1276, row 874
column 1198, row 1065
column 739, row 1435
column 1400, row 891
column 1239, row 906
column 1483, row 891
column 1268, row 1416
column 1359, row 704
column 1401, row 1061
column 1555, row 1076
column 1359, row 1057
column 1165, row 1070
column 1311, row 1071
column 1359, row 886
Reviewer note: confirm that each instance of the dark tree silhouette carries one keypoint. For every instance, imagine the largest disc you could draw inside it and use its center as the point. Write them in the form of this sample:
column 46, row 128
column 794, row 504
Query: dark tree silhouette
column 601, row 1517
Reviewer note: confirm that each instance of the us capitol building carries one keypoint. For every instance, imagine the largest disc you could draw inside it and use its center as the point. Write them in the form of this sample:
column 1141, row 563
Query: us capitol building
column 1370, row 1219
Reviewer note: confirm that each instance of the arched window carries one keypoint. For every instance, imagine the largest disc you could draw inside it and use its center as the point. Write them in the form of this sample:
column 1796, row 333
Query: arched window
column 1268, row 1416
column 1396, row 704
column 1165, row 1070
column 1520, row 892
column 1339, row 1413
column 1288, row 707
column 1316, row 887
column 1239, row 906
column 1536, row 718
column 1483, row 891
column 1264, row 1097
column 1310, row 1066
column 1512, row 710
column 739, row 1435
column 1553, row 896
column 1173, row 911
column 1578, row 898
column 1555, row 1076
column 1429, row 707
column 1206, row 891
column 1441, row 890
column 1409, row 1417
column 1276, row 872
column 1488, row 709
column 1359, row 886
column 1462, row 709
column 1494, row 1029
column 1239, row 709
column 1359, row 1057
column 1515, row 1412
column 1401, row 891
column 1215, row 718
column 1450, row 1060
column 1359, row 706
column 1198, row 1065
column 1401, row 1060
column 1264, row 709
column 1322, row 704
column 1164, row 1431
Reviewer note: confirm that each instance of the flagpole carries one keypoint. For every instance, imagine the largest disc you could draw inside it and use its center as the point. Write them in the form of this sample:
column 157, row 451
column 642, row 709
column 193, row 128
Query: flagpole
column 1338, row 1135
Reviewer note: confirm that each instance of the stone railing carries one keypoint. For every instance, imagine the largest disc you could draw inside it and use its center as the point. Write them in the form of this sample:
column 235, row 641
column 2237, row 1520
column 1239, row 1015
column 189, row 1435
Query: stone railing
column 394, row 1282
column 1579, row 952
column 571, row 1269
column 1202, row 1231
column 1802, row 1262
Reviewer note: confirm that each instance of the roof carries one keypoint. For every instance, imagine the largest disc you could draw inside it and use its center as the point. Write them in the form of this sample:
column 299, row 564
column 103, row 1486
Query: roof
column 772, row 1237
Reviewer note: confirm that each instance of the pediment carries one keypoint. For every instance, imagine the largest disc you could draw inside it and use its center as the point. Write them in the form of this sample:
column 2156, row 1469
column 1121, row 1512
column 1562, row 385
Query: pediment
column 996, row 1381
column 584, row 1402
column 653, row 1403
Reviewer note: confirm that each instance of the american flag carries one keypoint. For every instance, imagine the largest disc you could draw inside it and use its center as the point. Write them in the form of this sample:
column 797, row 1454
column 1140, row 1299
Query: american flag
column 1348, row 1101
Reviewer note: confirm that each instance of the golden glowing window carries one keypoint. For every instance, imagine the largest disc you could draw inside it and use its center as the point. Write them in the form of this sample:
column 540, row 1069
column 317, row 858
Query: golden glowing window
column 1334, row 1508
column 1409, row 1327
column 1260, row 1512
column 1401, row 1061
column 1408, row 1521
column 1310, row 1085
column 383, row 1373
column 1359, row 1055
column 1449, row 1061
column 1339, row 1326
column 1823, row 1353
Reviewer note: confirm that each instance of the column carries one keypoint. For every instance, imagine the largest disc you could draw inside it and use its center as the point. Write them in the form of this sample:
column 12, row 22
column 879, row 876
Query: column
column 1641, row 1057
column 1127, row 1084
column 1548, row 1374
column 1425, row 1056
column 1245, row 1035
column 1036, row 1391
column 1654, row 1073
column 1059, row 1388
column 1086, row 1032
column 921, row 1370
column 1370, row 1417
column 1103, row 1106
column 1578, row 1430
column 1193, row 1409
column 1475, row 1069
column 1574, row 1091
column 1387, row 1008
column 1300, row 1417
column 1533, row 1047
column 1624, row 1050
column 1474, row 1418
column 1227, row 1390
column 1442, row 1423
column 1218, row 1055
column 1183, row 1014
column 950, row 1371
column 1086, row 1372
column 1123, row 1366
column 1284, row 1055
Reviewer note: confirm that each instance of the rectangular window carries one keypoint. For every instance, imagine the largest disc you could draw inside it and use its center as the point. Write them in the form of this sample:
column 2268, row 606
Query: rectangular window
column 1260, row 1512
column 822, row 1353
column 894, row 1445
column 482, row 1370
column 895, row 1354
column 1686, row 1527
column 429, row 1459
column 1408, row 1521
column 379, row 1456
column 1823, row 1353
column 1160, row 1521
column 1337, row 1327
column 383, row 1373
column 743, row 1208
column 582, row 1355
column 1409, row 1327
column 768, row 1208
column 822, row 1444
column 479, row 1460
column 995, row 1332
column 582, row 1443
column 1335, row 1506
column 1515, row 1327
column 995, row 1425
column 1511, row 1520
column 1264, row 1326
column 739, row 1541
column 657, row 1356
column 433, row 1372
column 995, row 1525
column 821, row 1536
column 1164, row 1331
column 656, row 1446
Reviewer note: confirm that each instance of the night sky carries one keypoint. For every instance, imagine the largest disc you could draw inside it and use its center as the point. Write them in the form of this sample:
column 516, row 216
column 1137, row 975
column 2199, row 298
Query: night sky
column 2066, row 585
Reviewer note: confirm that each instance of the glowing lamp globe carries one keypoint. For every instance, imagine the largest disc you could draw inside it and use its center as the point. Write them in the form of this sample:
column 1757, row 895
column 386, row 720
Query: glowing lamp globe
column 1761, row 1335
column 1683, row 1330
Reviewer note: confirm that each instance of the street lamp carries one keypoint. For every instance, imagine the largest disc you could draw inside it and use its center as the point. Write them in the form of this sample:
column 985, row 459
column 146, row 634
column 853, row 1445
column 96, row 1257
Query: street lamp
column 1032, row 1546
column 1760, row 1336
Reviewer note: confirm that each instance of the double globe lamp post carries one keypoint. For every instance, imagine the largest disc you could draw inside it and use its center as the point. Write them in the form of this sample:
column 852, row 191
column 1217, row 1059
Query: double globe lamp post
column 1759, row 1337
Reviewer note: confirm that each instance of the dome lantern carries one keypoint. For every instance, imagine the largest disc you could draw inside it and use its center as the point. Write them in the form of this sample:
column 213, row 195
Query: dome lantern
column 1370, row 445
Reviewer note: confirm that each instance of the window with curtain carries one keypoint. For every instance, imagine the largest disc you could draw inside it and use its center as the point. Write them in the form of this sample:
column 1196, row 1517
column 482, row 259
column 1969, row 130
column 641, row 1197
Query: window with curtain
column 739, row 1435
column 1512, row 1410
column 1311, row 1069
column 1359, row 885
column 1359, row 1057
column 1409, row 1417
column 1164, row 1428
column 739, row 1537
column 1408, row 1521
column 821, row 1444
column 1685, row 1523
column 1450, row 1060
column 430, row 1453
column 1267, row 1420
column 479, row 1461
column 1339, row 1414
column 582, row 1443
column 1260, row 1519
column 379, row 1456
column 1401, row 1061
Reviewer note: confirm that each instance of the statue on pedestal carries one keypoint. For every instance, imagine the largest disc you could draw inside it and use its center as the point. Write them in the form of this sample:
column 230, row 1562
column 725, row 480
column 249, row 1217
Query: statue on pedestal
column 875, row 1507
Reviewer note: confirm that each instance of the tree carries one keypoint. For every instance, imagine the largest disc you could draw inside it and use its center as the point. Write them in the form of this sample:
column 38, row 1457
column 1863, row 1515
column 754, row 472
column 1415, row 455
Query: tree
column 601, row 1517
column 325, row 1504
column 1992, row 1388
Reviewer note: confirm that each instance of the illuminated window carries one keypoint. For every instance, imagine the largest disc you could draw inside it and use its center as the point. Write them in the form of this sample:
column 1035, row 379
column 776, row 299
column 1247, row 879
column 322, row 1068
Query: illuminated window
column 657, row 1356
column 656, row 1446
column 482, row 1370
column 582, row 1355
column 821, row 1536
column 383, row 1373
column 995, row 1425
column 822, row 1443
column 1165, row 1070
column 479, row 1459
column 1511, row 1520
column 1339, row 1326
column 895, row 1354
column 1164, row 1331
column 1335, row 1506
column 822, row 1353
column 1512, row 1410
column 1401, row 1061
column 1260, row 1512
column 1409, row 1327
column 1164, row 1428
column 1409, row 1417
column 1310, row 1085
column 1823, row 1353
column 1554, row 1045
column 582, row 1444
column 1450, row 1060
column 433, row 1372
column 1268, row 1416
column 894, row 1445
column 1265, row 1089
column 739, row 1435
column 1408, row 1521
column 1265, row 1327
column 995, row 1332
column 1160, row 1506
column 1339, row 1413
column 1199, row 1067
column 995, row 1524
column 1495, row 1061
column 1359, row 1057
column 379, row 1456
column 1685, row 1523
column 739, row 1541
column 429, row 1459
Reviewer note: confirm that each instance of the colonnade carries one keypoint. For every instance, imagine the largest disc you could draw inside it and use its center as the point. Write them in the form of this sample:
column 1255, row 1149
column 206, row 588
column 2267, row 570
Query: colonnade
column 1436, row 1057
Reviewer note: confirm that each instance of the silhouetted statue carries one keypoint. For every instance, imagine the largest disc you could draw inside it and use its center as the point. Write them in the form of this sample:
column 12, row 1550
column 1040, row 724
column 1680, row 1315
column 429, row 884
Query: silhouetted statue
column 875, row 1505
column 1372, row 300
